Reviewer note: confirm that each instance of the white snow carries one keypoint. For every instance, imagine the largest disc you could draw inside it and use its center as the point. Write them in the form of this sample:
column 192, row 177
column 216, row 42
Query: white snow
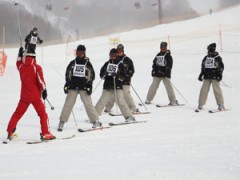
column 175, row 144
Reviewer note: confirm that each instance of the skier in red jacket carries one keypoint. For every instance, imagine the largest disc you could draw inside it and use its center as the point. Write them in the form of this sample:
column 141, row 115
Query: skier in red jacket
column 33, row 86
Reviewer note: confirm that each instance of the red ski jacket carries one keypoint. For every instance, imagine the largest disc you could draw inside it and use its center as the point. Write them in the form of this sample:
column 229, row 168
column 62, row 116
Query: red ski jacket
column 31, row 77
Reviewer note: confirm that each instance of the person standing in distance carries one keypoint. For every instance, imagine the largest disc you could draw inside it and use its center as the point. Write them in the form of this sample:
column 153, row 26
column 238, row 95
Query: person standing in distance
column 161, row 71
column 211, row 74
column 79, row 78
column 31, row 40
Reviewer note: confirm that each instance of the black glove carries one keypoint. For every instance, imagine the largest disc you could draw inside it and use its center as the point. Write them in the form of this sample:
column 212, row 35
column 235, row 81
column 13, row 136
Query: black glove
column 44, row 94
column 89, row 88
column 20, row 52
column 219, row 77
column 153, row 73
column 66, row 88
column 200, row 77
column 40, row 41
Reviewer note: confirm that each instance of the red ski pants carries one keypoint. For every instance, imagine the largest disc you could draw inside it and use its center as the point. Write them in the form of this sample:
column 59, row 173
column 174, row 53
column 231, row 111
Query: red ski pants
column 21, row 109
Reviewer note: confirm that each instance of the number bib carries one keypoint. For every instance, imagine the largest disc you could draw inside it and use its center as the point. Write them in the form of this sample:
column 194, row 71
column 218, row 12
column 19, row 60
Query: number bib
column 79, row 70
column 33, row 40
column 210, row 63
column 160, row 61
column 112, row 68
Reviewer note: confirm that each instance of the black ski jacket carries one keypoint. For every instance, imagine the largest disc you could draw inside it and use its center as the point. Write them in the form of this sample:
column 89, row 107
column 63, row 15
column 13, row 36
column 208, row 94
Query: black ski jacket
column 128, row 69
column 79, row 73
column 162, row 64
column 107, row 74
column 212, row 66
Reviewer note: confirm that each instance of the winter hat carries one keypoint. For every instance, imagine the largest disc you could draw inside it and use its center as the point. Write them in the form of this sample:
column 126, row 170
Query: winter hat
column 212, row 47
column 81, row 48
column 113, row 51
column 120, row 46
column 163, row 45
column 35, row 29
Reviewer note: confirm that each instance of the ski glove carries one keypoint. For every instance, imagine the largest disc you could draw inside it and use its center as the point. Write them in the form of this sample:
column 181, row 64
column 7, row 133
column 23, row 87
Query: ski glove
column 89, row 88
column 219, row 77
column 44, row 94
column 40, row 41
column 66, row 88
column 20, row 52
column 200, row 77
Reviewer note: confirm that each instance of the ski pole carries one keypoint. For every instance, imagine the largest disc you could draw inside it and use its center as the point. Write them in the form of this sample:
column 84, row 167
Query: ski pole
column 75, row 119
column 52, row 108
column 177, row 90
column 225, row 85
column 19, row 27
column 115, row 92
column 139, row 98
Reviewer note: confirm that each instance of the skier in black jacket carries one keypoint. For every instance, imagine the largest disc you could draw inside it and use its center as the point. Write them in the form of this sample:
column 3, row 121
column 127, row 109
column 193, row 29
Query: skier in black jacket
column 31, row 40
column 114, row 75
column 79, row 78
column 211, row 71
column 128, row 73
column 161, row 71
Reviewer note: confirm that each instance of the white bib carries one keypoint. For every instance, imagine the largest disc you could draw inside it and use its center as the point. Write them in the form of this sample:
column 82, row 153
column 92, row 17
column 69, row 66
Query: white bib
column 112, row 68
column 33, row 40
column 79, row 70
column 210, row 63
column 161, row 61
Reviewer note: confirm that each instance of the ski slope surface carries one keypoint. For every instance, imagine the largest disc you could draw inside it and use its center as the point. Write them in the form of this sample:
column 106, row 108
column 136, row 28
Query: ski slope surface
column 174, row 144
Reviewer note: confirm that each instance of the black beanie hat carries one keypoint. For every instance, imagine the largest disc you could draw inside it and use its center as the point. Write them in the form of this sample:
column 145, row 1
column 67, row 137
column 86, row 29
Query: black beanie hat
column 120, row 46
column 81, row 48
column 212, row 47
column 113, row 51
column 163, row 45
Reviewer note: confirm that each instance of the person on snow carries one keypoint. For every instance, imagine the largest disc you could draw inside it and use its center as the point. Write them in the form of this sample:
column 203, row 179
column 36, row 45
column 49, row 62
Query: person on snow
column 79, row 78
column 31, row 40
column 113, row 72
column 33, row 88
column 211, row 71
column 161, row 71
column 128, row 73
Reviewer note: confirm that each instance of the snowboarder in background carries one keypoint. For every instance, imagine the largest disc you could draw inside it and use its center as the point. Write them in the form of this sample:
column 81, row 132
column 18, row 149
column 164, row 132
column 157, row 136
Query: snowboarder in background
column 211, row 74
column 114, row 74
column 161, row 71
column 31, row 40
column 33, row 88
column 128, row 72
column 79, row 78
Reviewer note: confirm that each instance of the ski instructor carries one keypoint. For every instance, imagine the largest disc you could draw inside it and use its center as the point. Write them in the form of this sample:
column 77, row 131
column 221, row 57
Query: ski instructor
column 33, row 90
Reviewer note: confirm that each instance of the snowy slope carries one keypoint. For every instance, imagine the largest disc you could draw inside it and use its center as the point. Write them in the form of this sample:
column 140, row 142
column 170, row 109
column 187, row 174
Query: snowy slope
column 175, row 144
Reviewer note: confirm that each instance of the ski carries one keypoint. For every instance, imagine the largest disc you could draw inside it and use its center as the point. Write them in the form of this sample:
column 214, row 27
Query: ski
column 134, row 113
column 6, row 141
column 161, row 106
column 198, row 110
column 126, row 123
column 216, row 110
column 92, row 129
column 44, row 141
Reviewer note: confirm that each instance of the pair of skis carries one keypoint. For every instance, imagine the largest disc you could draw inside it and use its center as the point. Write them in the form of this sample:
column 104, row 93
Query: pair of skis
column 212, row 111
column 162, row 106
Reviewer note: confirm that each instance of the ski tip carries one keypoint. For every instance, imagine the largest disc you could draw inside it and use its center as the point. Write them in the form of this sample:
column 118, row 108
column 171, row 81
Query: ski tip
column 80, row 130
column 197, row 110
